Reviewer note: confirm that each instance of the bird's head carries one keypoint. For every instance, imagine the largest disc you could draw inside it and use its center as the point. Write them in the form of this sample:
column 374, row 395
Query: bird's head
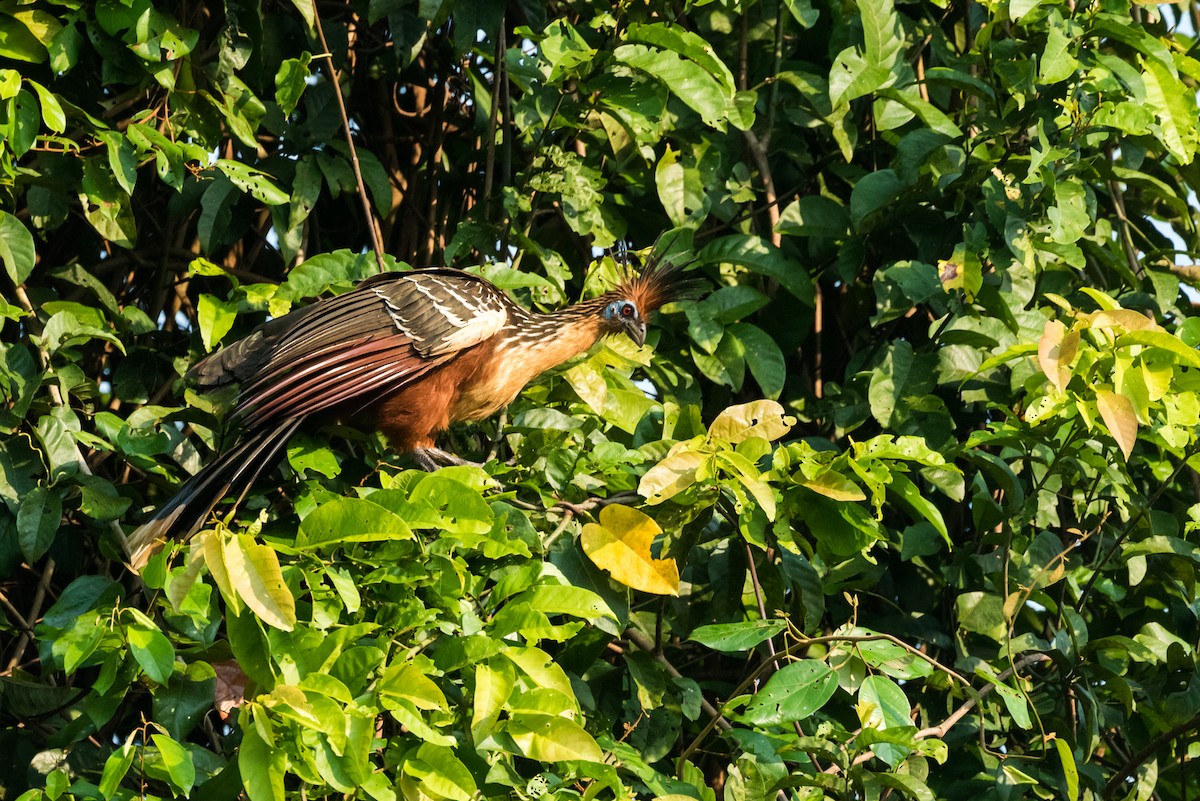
column 626, row 308
column 622, row 316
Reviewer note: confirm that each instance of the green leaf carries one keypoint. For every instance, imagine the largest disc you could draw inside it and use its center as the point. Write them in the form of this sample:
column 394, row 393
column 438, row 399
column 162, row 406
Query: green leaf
column 439, row 771
column 290, row 82
column 252, row 180
column 550, row 738
column 883, row 705
column 216, row 318
column 493, row 687
column 763, row 357
column 151, row 648
column 177, row 761
column 16, row 248
column 345, row 520
column 734, row 638
column 261, row 766
column 1057, row 63
column 37, row 522
column 793, row 693
column 911, row 497
column 52, row 110
column 853, row 76
column 115, row 768
column 406, row 681
column 983, row 613
column 308, row 453
column 814, row 215
column 1161, row 339
column 686, row 79
column 1070, row 770
column 1175, row 108
column 872, row 194
column 760, row 256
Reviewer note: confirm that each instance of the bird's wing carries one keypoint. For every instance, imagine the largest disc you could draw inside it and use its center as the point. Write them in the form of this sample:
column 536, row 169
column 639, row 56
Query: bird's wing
column 373, row 340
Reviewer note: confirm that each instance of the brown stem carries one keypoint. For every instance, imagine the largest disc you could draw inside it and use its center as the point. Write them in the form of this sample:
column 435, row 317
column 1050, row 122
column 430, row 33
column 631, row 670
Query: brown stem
column 646, row 644
column 372, row 224
column 1118, row 778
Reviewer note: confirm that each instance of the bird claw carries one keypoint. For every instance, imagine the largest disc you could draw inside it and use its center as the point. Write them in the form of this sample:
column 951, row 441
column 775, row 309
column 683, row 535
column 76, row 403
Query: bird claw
column 431, row 459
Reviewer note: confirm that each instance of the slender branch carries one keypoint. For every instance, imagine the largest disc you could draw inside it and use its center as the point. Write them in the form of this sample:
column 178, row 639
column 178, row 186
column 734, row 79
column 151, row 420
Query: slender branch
column 500, row 74
column 944, row 727
column 1118, row 778
column 762, row 613
column 646, row 644
column 1133, row 521
column 376, row 236
column 35, row 612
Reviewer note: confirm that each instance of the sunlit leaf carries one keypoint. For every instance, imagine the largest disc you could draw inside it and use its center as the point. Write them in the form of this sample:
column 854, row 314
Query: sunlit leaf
column 620, row 544
column 1119, row 418
column 255, row 575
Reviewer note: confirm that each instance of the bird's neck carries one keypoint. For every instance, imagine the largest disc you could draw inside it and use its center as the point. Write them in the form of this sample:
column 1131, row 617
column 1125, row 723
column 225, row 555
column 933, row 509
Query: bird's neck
column 544, row 341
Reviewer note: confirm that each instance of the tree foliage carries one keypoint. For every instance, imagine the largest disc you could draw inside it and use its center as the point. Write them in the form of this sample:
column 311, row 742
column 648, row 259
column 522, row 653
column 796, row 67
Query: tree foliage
column 903, row 507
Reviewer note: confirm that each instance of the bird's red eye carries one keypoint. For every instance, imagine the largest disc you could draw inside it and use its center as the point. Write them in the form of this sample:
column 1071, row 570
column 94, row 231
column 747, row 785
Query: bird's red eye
column 627, row 310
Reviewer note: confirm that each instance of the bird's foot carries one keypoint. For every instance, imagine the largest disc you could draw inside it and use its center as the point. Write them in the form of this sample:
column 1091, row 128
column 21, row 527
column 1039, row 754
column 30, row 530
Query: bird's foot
column 430, row 459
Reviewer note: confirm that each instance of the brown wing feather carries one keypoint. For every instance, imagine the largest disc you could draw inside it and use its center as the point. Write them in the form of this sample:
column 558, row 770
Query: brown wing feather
column 365, row 344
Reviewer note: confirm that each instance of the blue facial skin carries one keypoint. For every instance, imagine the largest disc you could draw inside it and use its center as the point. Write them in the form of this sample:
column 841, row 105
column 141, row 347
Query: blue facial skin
column 622, row 315
column 620, row 310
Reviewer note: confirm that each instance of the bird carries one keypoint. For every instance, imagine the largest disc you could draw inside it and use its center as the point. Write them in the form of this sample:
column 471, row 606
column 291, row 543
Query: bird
column 407, row 353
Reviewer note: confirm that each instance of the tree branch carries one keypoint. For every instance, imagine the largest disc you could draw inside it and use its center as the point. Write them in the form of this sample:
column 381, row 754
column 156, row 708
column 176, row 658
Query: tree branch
column 372, row 224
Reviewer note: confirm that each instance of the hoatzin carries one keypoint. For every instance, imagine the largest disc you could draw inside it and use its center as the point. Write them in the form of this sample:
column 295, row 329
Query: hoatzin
column 409, row 352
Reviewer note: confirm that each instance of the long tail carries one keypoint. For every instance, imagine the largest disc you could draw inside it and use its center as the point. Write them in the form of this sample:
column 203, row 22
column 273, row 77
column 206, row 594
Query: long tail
column 231, row 473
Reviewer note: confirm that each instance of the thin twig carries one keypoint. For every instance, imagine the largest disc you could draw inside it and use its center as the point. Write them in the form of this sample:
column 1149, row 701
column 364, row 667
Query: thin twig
column 372, row 224
column 35, row 612
column 1118, row 778
column 646, row 644
column 762, row 613
column 498, row 71
column 941, row 729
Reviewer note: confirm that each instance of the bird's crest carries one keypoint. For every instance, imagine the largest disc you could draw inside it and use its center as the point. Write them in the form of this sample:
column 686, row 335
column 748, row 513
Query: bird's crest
column 658, row 284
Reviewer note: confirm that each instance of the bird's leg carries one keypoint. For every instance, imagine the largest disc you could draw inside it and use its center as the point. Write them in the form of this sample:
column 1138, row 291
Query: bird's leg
column 431, row 459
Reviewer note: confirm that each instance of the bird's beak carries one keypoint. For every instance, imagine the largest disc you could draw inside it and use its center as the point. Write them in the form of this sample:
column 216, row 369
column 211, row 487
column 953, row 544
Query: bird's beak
column 637, row 331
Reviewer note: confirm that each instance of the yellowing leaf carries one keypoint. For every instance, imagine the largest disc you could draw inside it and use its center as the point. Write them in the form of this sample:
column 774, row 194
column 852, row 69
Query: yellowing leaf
column 1127, row 319
column 1056, row 350
column 833, row 484
column 1102, row 300
column 1119, row 418
column 1157, row 377
column 760, row 418
column 550, row 738
column 671, row 476
column 254, row 572
column 620, row 544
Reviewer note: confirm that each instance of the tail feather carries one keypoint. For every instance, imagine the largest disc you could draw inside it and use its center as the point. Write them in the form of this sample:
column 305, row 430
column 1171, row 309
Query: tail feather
column 231, row 473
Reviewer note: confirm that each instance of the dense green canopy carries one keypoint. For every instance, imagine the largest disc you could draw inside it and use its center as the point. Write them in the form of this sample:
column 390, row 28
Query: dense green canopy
column 904, row 507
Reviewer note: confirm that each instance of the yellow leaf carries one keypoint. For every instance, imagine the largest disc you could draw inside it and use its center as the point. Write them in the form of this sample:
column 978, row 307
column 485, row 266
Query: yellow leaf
column 214, row 558
column 672, row 475
column 255, row 574
column 1119, row 418
column 833, row 484
column 1102, row 300
column 1157, row 376
column 760, row 418
column 1128, row 319
column 620, row 544
column 1056, row 350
